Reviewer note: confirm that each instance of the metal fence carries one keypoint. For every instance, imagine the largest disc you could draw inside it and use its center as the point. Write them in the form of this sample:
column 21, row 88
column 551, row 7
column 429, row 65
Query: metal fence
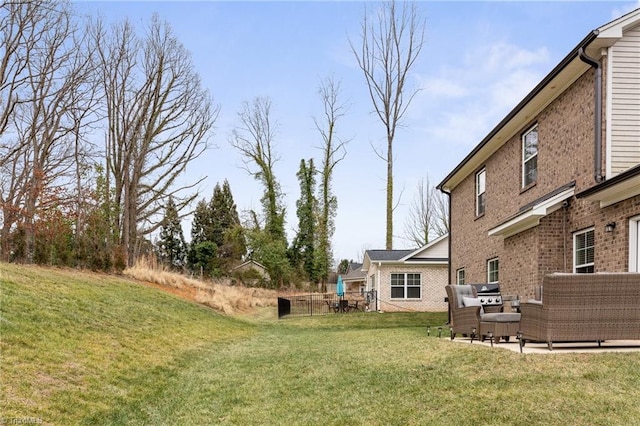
column 326, row 303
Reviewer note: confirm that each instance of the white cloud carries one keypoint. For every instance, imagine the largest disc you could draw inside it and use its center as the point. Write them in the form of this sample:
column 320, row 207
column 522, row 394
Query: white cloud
column 463, row 102
column 440, row 87
column 503, row 57
column 622, row 10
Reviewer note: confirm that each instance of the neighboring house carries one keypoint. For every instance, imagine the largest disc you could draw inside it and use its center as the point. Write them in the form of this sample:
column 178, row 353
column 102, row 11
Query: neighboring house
column 555, row 186
column 355, row 279
column 251, row 270
column 409, row 280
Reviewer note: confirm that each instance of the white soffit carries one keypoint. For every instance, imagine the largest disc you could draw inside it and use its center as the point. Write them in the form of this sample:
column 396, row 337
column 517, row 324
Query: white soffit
column 532, row 216
column 616, row 193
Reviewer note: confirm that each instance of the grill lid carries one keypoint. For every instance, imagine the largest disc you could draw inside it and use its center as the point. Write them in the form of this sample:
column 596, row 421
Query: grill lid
column 487, row 288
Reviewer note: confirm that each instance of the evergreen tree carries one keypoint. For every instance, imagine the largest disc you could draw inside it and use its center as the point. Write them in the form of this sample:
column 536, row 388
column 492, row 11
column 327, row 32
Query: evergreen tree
column 216, row 222
column 303, row 250
column 171, row 246
column 343, row 266
column 202, row 224
column 225, row 222
column 202, row 259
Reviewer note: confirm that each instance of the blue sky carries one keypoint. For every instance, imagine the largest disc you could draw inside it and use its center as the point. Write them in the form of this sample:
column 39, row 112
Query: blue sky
column 479, row 60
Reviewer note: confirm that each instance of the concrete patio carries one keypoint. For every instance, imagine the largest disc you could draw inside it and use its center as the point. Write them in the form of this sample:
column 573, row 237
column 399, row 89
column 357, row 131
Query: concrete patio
column 558, row 348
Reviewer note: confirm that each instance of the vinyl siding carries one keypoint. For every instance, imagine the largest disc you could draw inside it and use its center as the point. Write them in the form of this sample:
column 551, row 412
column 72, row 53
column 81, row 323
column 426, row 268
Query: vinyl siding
column 625, row 102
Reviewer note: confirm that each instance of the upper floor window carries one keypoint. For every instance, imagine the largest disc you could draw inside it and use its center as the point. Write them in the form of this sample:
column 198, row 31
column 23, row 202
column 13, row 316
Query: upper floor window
column 493, row 267
column 406, row 286
column 481, row 187
column 530, row 156
column 584, row 250
column 460, row 276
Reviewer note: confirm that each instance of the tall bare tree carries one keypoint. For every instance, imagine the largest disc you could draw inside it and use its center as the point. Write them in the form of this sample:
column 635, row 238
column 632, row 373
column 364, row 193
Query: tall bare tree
column 333, row 151
column 159, row 120
column 17, row 22
column 390, row 47
column 254, row 137
column 428, row 216
column 46, row 98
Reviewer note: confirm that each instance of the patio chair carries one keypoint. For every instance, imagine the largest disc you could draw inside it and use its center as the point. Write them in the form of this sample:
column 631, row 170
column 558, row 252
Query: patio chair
column 463, row 319
column 333, row 306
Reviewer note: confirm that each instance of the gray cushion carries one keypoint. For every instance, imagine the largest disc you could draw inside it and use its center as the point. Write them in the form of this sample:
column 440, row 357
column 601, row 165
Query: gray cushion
column 472, row 301
column 500, row 317
column 462, row 291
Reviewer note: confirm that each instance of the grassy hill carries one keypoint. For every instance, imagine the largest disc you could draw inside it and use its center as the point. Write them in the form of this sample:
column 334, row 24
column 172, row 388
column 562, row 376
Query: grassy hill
column 81, row 348
column 75, row 343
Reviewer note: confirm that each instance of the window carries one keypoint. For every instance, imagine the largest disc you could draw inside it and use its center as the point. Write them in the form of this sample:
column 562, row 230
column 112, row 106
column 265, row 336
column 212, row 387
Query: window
column 493, row 266
column 460, row 273
column 583, row 249
column 406, row 286
column 530, row 156
column 481, row 184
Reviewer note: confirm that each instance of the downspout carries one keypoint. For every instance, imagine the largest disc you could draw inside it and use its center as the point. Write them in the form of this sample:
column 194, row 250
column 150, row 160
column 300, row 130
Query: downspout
column 598, row 114
column 448, row 193
column 379, row 288
column 449, row 220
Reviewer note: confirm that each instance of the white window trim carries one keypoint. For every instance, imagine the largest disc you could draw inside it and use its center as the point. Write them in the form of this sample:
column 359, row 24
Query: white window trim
column 458, row 276
column 524, row 135
column 477, row 193
column 634, row 233
column 575, row 234
column 489, row 270
column 405, row 286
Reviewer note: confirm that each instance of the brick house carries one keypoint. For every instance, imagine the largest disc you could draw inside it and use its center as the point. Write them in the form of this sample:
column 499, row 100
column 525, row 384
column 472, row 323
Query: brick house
column 555, row 186
column 409, row 280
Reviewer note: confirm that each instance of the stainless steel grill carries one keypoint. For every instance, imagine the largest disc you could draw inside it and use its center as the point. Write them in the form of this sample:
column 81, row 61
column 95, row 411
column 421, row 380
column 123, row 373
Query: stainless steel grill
column 489, row 294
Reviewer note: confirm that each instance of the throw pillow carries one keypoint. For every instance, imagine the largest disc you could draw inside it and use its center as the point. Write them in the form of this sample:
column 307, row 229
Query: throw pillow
column 472, row 301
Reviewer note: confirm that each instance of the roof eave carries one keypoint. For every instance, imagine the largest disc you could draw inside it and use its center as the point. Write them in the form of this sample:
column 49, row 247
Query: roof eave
column 612, row 191
column 495, row 139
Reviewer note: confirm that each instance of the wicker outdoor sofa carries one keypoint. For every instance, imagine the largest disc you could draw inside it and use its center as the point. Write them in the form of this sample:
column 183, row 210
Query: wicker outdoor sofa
column 583, row 308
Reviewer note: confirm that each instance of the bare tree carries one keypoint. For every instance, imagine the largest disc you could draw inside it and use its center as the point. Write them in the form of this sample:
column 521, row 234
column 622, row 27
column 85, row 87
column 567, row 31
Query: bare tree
column 254, row 137
column 21, row 29
column 441, row 222
column 428, row 216
column 45, row 84
column 159, row 120
column 333, row 151
column 20, row 33
column 389, row 49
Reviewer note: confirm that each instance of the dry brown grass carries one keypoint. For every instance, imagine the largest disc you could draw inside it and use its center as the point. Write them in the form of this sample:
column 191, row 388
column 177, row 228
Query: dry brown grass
column 219, row 295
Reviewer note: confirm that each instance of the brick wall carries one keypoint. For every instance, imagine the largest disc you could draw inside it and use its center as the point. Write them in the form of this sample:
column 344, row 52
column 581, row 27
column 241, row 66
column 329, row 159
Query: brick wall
column 611, row 249
column 565, row 154
column 433, row 280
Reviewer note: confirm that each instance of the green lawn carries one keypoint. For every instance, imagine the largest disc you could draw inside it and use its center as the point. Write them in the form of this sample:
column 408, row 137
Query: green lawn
column 80, row 348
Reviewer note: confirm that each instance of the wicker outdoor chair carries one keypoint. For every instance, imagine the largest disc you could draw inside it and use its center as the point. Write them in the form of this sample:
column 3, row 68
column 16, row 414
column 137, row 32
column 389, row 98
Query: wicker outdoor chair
column 583, row 308
column 463, row 320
